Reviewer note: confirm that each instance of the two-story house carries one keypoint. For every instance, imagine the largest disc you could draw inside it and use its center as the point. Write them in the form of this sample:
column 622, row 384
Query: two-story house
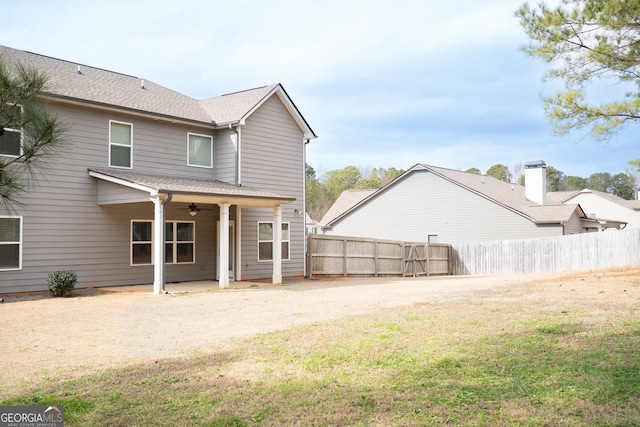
column 150, row 177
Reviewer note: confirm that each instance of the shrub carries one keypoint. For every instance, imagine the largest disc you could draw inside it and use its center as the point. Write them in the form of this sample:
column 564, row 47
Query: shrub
column 61, row 283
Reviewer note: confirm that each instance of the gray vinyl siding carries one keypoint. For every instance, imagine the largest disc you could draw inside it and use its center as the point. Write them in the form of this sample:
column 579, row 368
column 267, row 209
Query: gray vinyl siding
column 64, row 227
column 272, row 151
column 108, row 193
column 423, row 204
column 224, row 156
column 573, row 225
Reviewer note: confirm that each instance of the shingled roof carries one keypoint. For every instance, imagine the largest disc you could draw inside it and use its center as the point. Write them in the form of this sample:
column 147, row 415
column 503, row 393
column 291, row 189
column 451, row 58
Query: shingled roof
column 185, row 185
column 73, row 81
column 563, row 196
column 512, row 196
column 234, row 106
column 344, row 202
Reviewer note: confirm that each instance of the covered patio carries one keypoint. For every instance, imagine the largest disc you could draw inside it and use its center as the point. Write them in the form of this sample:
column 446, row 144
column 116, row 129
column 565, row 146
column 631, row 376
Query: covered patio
column 124, row 186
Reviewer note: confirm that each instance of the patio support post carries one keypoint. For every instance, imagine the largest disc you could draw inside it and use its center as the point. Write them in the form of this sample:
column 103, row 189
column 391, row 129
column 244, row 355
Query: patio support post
column 158, row 245
column 277, row 245
column 223, row 239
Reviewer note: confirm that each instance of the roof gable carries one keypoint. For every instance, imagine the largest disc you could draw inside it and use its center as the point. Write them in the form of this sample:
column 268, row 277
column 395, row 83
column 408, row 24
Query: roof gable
column 236, row 107
column 510, row 196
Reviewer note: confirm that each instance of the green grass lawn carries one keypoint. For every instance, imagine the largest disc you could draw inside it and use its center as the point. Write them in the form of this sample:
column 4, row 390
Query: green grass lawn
column 494, row 362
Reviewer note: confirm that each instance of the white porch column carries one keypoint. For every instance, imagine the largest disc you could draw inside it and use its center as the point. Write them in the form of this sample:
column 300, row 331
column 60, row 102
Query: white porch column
column 277, row 245
column 158, row 245
column 223, row 241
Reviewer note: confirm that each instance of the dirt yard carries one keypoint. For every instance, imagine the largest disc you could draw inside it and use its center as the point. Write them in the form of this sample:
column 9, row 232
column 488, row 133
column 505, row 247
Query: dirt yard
column 63, row 337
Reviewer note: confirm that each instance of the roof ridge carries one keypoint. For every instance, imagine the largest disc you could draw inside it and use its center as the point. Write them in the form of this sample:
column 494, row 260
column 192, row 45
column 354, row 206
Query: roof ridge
column 72, row 62
column 246, row 90
column 460, row 171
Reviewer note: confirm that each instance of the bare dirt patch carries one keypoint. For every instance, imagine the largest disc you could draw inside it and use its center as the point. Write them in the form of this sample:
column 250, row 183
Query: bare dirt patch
column 62, row 337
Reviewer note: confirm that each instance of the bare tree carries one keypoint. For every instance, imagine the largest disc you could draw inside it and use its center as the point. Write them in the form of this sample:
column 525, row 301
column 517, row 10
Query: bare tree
column 516, row 171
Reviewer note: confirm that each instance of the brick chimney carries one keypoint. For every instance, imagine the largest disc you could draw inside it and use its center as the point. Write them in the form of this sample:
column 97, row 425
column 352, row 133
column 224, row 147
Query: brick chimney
column 535, row 181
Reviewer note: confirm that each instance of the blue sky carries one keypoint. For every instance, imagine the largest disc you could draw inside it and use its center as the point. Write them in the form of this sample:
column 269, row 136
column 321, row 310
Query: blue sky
column 383, row 83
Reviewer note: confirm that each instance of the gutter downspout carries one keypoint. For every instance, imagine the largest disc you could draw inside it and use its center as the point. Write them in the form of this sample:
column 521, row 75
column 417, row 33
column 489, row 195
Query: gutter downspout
column 304, row 206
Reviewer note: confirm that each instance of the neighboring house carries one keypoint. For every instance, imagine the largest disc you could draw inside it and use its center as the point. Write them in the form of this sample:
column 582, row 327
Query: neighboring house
column 433, row 204
column 313, row 227
column 343, row 203
column 149, row 179
column 601, row 205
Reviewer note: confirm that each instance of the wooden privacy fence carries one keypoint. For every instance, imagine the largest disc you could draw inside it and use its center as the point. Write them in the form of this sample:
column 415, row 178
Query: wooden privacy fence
column 357, row 256
column 612, row 248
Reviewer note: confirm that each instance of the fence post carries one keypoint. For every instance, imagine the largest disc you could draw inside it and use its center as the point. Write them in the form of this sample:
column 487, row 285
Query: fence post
column 375, row 259
column 404, row 260
column 308, row 254
column 427, row 256
column 344, row 257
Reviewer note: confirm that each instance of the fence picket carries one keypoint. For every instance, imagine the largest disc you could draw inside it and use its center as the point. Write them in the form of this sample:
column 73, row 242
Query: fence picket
column 553, row 254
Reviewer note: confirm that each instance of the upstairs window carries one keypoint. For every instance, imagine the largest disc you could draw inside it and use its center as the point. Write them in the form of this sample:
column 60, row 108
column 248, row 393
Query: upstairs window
column 10, row 243
column 120, row 144
column 265, row 241
column 200, row 150
column 11, row 134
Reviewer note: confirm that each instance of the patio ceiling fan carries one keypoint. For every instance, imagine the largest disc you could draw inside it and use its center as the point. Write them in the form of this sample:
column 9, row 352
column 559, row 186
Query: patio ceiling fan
column 194, row 209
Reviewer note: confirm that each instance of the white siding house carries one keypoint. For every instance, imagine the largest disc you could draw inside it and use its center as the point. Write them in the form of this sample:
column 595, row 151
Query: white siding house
column 600, row 205
column 432, row 204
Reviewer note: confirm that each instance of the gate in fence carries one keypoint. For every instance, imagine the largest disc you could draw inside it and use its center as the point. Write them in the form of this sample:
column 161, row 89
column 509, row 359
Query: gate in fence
column 356, row 256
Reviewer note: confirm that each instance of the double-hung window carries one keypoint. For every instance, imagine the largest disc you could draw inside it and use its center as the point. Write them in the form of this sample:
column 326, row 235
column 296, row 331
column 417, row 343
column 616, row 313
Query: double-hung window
column 179, row 242
column 11, row 133
column 10, row 243
column 265, row 241
column 200, row 150
column 120, row 144
column 141, row 242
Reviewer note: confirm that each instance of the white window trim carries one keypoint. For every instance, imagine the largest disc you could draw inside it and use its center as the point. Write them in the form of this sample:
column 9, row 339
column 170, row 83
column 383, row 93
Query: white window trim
column 173, row 241
column 131, row 243
column 288, row 258
column 21, row 131
column 121, row 145
column 19, row 243
column 189, row 141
